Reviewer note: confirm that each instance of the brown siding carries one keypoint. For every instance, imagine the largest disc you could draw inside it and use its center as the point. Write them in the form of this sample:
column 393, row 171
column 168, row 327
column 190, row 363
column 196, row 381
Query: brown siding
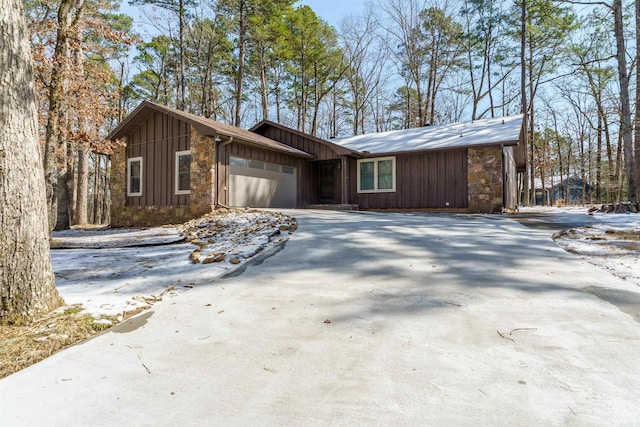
column 510, row 178
column 320, row 151
column 156, row 140
column 423, row 181
column 251, row 152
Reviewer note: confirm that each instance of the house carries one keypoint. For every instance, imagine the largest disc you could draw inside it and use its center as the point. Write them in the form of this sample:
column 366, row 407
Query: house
column 176, row 166
column 572, row 191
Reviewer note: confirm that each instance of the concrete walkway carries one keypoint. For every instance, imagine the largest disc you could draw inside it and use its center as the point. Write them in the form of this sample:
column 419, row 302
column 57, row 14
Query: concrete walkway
column 363, row 319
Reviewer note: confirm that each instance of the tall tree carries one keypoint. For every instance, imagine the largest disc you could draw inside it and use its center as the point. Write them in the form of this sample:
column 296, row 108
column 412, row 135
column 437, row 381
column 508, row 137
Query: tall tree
column 626, row 128
column 484, row 22
column 546, row 29
column 367, row 57
column 266, row 38
column 180, row 9
column 636, row 149
column 403, row 28
column 27, row 283
column 68, row 16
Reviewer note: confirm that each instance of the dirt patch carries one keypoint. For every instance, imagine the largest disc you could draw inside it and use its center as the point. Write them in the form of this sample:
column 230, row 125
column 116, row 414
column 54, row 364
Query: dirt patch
column 22, row 346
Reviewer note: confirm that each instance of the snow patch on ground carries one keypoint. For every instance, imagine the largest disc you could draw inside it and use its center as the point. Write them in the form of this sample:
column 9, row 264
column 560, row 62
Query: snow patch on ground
column 111, row 271
column 611, row 241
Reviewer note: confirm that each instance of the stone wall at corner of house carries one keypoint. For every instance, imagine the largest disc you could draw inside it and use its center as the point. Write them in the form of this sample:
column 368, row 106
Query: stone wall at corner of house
column 484, row 179
column 202, row 176
column 118, row 182
column 151, row 216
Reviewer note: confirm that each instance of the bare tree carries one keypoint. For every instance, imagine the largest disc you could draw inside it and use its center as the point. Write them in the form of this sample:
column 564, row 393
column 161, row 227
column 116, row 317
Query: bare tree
column 366, row 58
column 626, row 129
column 27, row 283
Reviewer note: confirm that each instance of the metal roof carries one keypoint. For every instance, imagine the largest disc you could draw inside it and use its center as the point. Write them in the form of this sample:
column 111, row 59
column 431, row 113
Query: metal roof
column 495, row 131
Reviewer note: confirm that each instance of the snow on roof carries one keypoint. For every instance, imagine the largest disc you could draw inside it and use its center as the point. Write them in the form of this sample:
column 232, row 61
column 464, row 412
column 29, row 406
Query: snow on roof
column 503, row 130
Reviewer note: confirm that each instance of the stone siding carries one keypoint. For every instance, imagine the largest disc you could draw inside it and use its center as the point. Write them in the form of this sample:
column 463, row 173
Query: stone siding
column 203, row 172
column 149, row 216
column 118, row 182
column 201, row 196
column 484, row 179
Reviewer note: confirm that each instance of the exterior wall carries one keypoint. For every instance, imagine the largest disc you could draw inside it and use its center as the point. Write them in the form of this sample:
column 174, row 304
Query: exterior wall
column 510, row 178
column 170, row 210
column 251, row 152
column 423, row 181
column 156, row 140
column 485, row 174
column 203, row 172
column 295, row 140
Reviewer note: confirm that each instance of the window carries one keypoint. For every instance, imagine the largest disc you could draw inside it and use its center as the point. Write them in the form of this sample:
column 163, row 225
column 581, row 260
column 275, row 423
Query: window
column 377, row 175
column 134, row 176
column 256, row 164
column 287, row 170
column 237, row 161
column 273, row 168
column 183, row 172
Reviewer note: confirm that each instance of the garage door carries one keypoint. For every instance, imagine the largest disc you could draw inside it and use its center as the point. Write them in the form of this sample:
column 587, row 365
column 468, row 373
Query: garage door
column 259, row 184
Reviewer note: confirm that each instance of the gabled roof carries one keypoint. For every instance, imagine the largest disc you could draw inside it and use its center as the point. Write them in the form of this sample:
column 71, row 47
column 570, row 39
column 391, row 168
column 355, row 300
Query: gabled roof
column 496, row 131
column 204, row 126
column 339, row 149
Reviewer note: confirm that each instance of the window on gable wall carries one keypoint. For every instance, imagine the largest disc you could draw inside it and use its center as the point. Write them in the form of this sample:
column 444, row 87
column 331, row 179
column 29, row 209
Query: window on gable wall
column 377, row 175
column 183, row 172
column 134, row 176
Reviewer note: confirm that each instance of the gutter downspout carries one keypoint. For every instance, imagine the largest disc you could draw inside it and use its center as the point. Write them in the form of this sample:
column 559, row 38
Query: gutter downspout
column 218, row 144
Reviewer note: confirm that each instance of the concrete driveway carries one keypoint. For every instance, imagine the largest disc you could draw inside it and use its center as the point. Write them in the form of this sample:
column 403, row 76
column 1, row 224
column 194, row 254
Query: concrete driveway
column 363, row 319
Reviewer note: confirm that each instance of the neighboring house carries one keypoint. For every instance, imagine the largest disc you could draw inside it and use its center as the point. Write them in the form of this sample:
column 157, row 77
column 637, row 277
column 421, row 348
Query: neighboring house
column 570, row 191
column 177, row 166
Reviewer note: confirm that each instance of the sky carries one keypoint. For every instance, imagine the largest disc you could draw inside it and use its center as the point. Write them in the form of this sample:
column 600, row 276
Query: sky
column 333, row 11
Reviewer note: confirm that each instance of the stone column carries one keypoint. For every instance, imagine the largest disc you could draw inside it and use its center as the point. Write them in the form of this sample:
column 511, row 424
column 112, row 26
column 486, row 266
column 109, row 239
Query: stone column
column 202, row 174
column 118, row 184
column 484, row 179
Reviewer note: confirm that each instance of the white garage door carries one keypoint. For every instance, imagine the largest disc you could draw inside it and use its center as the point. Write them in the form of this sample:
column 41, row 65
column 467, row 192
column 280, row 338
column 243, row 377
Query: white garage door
column 259, row 184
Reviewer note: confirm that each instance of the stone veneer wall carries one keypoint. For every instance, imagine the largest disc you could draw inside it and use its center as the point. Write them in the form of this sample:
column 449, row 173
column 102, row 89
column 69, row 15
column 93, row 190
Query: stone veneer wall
column 201, row 197
column 203, row 172
column 484, row 179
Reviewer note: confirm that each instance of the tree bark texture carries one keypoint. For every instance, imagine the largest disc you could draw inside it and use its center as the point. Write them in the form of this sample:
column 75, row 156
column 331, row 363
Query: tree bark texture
column 82, row 194
column 636, row 143
column 625, row 106
column 27, row 284
column 242, row 44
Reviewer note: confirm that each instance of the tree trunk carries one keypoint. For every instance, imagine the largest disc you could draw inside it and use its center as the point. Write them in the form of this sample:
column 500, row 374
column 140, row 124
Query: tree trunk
column 242, row 41
column 636, row 148
column 526, row 185
column 27, row 284
column 625, row 107
column 264, row 87
column 82, row 188
column 181, row 12
column 65, row 23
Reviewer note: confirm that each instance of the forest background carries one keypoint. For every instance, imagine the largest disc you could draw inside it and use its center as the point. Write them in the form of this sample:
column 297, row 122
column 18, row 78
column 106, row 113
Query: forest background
column 392, row 64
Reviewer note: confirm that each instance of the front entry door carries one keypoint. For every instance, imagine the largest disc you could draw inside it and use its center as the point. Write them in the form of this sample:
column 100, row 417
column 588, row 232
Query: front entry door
column 327, row 182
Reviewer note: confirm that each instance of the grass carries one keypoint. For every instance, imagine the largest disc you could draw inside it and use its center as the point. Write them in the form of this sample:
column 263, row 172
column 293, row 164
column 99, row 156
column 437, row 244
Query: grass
column 23, row 345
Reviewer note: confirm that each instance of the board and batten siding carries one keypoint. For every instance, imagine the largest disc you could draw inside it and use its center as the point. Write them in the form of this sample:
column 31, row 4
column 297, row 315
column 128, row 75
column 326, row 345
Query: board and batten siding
column 255, row 153
column 156, row 140
column 423, row 181
column 295, row 140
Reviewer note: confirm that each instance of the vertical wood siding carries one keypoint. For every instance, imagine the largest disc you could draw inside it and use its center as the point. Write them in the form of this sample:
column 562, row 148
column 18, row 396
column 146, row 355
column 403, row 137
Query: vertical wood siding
column 427, row 180
column 156, row 140
column 321, row 151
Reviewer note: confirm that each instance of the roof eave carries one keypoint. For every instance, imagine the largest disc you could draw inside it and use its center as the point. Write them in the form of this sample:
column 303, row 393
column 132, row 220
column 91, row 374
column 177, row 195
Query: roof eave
column 367, row 154
column 339, row 149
